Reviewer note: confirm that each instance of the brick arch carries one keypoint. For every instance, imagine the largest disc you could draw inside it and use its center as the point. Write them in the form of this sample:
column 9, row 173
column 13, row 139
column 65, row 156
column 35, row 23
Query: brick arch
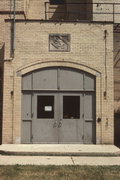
column 73, row 65
column 40, row 65
column 58, row 80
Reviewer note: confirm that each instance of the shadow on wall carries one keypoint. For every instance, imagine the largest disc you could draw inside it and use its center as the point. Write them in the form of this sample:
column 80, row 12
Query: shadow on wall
column 117, row 128
column 70, row 10
column 1, row 88
column 117, row 87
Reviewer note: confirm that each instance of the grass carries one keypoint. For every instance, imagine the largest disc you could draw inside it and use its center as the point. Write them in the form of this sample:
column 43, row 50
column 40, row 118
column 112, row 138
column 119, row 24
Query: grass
column 18, row 172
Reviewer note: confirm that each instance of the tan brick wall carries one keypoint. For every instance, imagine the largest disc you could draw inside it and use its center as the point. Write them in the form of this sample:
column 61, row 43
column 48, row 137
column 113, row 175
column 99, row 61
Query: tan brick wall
column 35, row 9
column 101, row 12
column 3, row 17
column 105, row 10
column 87, row 52
column 7, row 5
column 7, row 103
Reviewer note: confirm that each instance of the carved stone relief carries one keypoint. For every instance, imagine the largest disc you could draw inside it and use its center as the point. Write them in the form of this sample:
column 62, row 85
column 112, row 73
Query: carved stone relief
column 59, row 42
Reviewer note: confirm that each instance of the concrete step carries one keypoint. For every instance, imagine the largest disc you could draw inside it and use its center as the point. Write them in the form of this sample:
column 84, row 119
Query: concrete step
column 59, row 150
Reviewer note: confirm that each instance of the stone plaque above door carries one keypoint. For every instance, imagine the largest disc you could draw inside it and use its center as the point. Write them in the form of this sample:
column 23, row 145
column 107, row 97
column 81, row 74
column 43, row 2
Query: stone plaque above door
column 59, row 42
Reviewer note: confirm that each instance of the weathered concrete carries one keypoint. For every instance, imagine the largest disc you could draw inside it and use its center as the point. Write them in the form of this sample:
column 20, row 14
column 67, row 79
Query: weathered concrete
column 59, row 150
column 61, row 154
column 59, row 160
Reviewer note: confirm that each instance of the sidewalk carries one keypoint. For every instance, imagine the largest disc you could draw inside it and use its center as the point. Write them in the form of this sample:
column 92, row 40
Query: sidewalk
column 107, row 155
column 59, row 160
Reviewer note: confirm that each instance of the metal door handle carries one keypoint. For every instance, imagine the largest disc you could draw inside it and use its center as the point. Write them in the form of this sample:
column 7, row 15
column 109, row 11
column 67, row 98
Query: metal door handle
column 55, row 124
column 60, row 123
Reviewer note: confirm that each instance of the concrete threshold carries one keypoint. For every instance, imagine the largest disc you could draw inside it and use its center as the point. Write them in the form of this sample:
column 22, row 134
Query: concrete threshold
column 59, row 150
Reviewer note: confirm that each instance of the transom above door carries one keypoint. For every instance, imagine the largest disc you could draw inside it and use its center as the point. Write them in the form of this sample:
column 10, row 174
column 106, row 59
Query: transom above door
column 58, row 78
column 58, row 106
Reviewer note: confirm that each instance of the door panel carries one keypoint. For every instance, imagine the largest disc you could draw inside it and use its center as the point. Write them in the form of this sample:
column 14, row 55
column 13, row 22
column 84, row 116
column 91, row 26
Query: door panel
column 89, row 82
column 26, row 106
column 88, row 132
column 71, row 123
column 26, row 117
column 45, row 119
column 89, row 106
column 45, row 79
column 27, row 82
column 44, row 131
column 70, row 132
column 89, row 118
column 70, row 80
column 26, row 131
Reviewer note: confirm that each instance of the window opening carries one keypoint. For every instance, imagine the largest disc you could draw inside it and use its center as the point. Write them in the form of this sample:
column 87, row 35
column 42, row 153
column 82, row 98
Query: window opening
column 45, row 107
column 71, row 107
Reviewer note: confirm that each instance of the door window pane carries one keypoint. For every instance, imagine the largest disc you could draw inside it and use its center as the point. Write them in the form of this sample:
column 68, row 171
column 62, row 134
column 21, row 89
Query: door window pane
column 71, row 107
column 45, row 107
column 57, row 1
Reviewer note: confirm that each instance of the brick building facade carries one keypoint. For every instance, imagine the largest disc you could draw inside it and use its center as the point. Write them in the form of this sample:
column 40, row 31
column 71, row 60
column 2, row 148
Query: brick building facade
column 57, row 60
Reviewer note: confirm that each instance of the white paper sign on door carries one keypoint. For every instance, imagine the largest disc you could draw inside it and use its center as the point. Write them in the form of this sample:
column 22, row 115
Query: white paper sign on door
column 48, row 108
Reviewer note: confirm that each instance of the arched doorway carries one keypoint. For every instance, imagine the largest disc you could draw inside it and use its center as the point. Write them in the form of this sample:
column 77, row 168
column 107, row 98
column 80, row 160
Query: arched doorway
column 58, row 106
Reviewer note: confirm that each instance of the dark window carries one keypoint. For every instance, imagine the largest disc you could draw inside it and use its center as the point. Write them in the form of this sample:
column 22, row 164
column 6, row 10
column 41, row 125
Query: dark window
column 45, row 107
column 57, row 1
column 71, row 107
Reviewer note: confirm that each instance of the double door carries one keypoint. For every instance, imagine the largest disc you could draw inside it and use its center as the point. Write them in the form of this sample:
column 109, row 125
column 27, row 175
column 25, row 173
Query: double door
column 57, row 118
